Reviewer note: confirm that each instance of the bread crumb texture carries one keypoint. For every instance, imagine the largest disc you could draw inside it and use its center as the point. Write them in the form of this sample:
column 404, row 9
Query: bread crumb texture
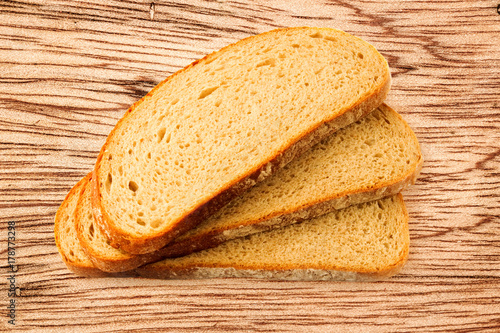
column 212, row 124
column 376, row 151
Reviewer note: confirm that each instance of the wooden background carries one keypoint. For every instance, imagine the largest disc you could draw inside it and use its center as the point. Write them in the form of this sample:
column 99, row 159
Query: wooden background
column 70, row 69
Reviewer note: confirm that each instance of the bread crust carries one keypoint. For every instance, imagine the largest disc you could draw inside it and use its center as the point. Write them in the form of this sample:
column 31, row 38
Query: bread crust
column 302, row 142
column 286, row 272
column 79, row 268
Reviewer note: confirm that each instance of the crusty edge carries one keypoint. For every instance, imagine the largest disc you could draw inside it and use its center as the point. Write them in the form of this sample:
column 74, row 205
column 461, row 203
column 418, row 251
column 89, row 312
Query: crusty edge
column 294, row 274
column 140, row 245
column 77, row 268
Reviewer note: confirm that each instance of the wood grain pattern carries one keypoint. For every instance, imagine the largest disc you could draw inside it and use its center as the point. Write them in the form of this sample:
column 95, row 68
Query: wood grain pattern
column 70, row 69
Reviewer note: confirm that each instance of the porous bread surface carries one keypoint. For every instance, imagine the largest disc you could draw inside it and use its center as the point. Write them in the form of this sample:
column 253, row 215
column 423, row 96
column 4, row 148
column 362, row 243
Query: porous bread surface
column 364, row 161
column 219, row 120
column 65, row 235
column 96, row 245
column 370, row 240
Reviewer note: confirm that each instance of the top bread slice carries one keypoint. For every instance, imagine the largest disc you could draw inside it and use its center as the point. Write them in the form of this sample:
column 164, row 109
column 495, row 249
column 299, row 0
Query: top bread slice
column 369, row 241
column 375, row 157
column 224, row 123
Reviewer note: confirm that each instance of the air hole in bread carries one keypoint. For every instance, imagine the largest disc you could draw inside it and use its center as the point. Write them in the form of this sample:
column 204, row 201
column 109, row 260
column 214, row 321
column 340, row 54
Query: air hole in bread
column 156, row 223
column 319, row 70
column 380, row 205
column 316, row 35
column 209, row 61
column 120, row 170
column 161, row 134
column 295, row 46
column 108, row 183
column 91, row 230
column 133, row 186
column 130, row 151
column 71, row 253
column 153, row 208
column 370, row 142
column 149, row 155
column 140, row 222
column 206, row 92
column 217, row 104
column 331, row 39
column 268, row 62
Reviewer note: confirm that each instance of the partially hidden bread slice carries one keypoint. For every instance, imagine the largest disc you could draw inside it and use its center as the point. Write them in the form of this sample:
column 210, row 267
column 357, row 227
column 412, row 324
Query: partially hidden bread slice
column 224, row 123
column 375, row 157
column 66, row 238
column 67, row 242
column 369, row 241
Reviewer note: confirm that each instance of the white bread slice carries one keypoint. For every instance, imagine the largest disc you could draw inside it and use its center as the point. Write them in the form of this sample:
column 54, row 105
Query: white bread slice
column 369, row 241
column 225, row 122
column 375, row 157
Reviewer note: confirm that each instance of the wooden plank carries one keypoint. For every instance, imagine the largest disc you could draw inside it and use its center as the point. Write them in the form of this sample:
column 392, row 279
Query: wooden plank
column 70, row 69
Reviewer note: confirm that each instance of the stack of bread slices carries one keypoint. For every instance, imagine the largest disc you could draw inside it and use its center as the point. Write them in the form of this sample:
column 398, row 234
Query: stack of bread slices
column 274, row 157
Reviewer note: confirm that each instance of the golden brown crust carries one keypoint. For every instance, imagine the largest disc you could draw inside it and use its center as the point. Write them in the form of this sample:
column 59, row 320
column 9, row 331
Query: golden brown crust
column 80, row 268
column 303, row 141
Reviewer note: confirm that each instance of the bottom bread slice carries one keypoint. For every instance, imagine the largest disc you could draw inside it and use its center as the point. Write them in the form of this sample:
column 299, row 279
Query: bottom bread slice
column 369, row 241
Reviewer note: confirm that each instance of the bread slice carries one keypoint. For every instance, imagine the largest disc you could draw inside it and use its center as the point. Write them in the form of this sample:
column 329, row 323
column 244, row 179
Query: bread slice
column 225, row 122
column 68, row 245
column 369, row 241
column 375, row 157
column 65, row 235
